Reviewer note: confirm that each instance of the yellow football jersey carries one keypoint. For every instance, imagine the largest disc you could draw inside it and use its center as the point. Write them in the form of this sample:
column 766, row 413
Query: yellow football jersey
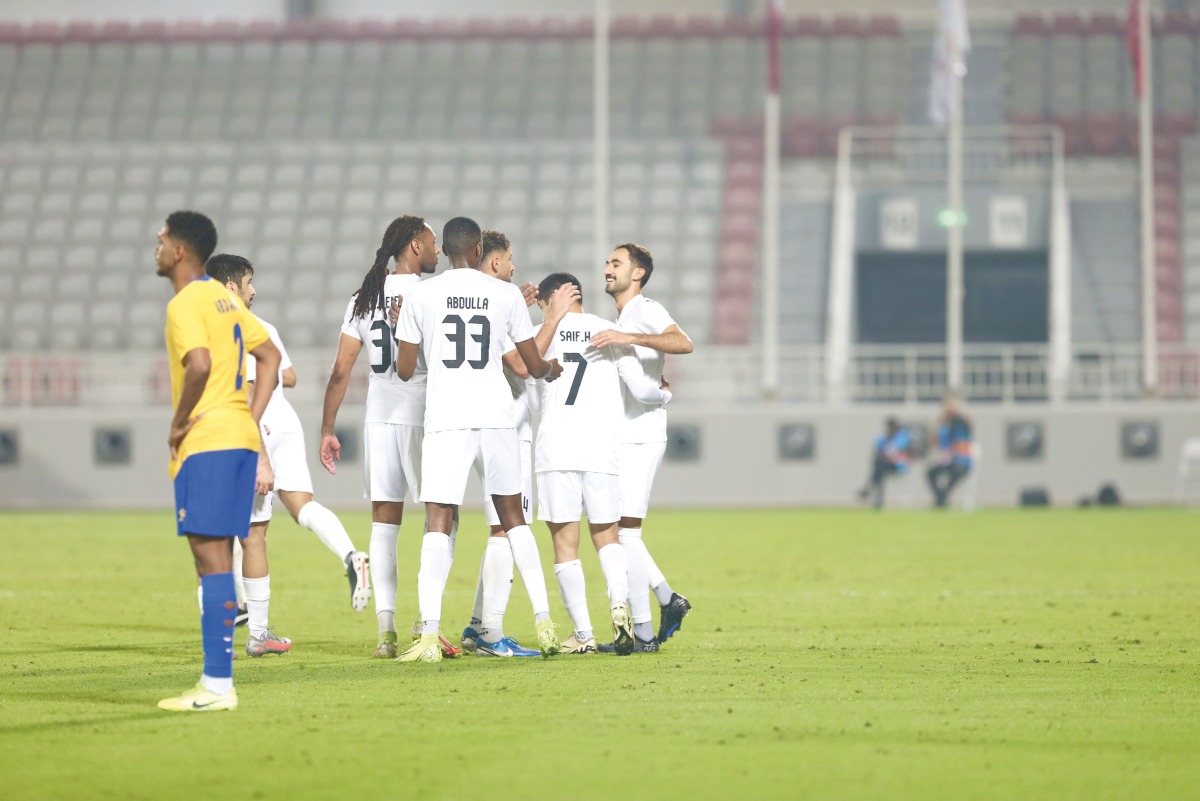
column 205, row 314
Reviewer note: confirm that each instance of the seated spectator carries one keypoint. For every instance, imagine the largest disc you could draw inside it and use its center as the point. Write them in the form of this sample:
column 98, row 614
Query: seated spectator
column 953, row 460
column 890, row 456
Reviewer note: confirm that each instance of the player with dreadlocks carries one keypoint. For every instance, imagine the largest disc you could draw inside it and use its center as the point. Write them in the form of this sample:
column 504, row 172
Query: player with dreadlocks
column 395, row 411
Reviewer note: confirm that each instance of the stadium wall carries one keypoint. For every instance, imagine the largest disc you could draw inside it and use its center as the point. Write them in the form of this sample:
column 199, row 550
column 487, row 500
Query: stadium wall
column 737, row 464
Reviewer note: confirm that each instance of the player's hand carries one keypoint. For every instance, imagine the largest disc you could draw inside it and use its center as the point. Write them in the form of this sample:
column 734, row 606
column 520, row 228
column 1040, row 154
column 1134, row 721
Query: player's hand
column 610, row 336
column 266, row 429
column 394, row 311
column 530, row 291
column 331, row 452
column 561, row 301
column 264, row 476
column 555, row 371
column 175, row 438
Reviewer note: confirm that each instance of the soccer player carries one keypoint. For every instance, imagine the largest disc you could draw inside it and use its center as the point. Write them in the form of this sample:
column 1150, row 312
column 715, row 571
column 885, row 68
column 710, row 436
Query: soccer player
column 214, row 442
column 459, row 322
column 647, row 326
column 577, row 458
column 395, row 410
column 284, row 438
column 497, row 262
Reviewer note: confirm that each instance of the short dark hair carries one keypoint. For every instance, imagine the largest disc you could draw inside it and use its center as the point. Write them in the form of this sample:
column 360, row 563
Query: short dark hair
column 459, row 236
column 226, row 267
column 553, row 281
column 640, row 258
column 194, row 230
column 494, row 241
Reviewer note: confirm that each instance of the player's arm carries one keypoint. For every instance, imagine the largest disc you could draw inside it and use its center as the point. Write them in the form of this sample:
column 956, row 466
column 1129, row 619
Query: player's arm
column 264, row 474
column 535, row 364
column 406, row 359
column 335, row 392
column 640, row 385
column 289, row 377
column 671, row 340
column 197, row 365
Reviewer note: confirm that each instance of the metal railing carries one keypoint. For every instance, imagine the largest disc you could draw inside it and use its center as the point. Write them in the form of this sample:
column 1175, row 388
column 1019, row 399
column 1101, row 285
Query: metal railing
column 895, row 374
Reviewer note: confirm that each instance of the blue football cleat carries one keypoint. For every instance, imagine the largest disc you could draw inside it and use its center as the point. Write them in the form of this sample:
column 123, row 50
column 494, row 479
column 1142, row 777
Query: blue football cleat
column 470, row 638
column 505, row 647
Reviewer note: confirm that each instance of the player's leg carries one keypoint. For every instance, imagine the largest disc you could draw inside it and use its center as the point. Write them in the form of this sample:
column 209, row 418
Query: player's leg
column 500, row 466
column 601, row 493
column 446, row 462
column 214, row 496
column 243, row 616
column 257, row 578
column 321, row 521
column 568, row 570
column 386, row 482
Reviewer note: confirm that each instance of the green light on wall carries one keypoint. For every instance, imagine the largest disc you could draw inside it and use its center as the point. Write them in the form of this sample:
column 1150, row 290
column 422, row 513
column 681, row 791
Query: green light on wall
column 948, row 219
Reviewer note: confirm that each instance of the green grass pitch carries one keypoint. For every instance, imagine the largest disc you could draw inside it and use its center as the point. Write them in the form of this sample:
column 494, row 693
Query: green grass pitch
column 830, row 655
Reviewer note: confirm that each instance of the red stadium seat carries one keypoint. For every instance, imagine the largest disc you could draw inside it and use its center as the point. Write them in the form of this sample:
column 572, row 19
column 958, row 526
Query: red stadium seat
column 1103, row 135
column 883, row 26
column 1106, row 25
column 1067, row 25
column 804, row 26
column 1030, row 25
column 79, row 31
column 845, row 25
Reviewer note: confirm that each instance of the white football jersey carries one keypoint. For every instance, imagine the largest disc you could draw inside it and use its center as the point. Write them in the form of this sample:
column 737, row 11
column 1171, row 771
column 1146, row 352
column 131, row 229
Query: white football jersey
column 462, row 319
column 582, row 412
column 279, row 416
column 521, row 396
column 389, row 400
column 645, row 423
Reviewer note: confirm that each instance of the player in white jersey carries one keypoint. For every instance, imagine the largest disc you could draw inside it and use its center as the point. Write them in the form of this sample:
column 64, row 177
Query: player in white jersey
column 395, row 410
column 497, row 262
column 459, row 321
column 648, row 327
column 283, row 438
column 576, row 459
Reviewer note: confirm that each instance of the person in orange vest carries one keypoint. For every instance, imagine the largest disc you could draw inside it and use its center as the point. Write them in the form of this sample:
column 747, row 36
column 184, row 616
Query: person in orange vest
column 953, row 460
column 890, row 455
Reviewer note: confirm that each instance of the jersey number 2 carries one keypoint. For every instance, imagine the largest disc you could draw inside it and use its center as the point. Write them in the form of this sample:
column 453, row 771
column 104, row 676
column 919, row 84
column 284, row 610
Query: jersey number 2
column 241, row 365
column 459, row 338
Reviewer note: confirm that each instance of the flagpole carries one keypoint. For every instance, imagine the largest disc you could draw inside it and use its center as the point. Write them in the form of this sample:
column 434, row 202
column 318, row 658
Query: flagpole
column 600, row 158
column 771, row 214
column 1146, row 148
column 954, row 192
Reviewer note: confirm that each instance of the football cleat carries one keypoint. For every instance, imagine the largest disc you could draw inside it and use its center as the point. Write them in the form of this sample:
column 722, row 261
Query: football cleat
column 386, row 649
column 506, row 647
column 426, row 649
column 547, row 634
column 640, row 646
column 449, row 650
column 359, row 574
column 242, row 618
column 672, row 616
column 199, row 699
column 470, row 637
column 574, row 645
column 622, row 625
column 267, row 643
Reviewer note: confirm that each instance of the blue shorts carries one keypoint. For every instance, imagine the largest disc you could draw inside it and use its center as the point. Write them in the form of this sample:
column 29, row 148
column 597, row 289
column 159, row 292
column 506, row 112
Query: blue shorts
column 214, row 493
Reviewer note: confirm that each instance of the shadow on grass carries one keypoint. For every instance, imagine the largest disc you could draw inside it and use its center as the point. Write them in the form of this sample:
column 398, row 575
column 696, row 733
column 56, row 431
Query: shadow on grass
column 78, row 723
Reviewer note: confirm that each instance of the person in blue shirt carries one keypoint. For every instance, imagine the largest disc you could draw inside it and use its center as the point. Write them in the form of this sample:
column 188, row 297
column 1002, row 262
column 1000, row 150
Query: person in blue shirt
column 953, row 461
column 890, row 455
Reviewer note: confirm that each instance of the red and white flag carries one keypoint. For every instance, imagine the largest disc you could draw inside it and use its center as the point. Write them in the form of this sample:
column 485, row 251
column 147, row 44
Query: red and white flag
column 952, row 26
column 1133, row 42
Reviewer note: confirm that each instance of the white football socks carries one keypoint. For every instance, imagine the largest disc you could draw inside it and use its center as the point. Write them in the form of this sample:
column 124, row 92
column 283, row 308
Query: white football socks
column 614, row 561
column 238, row 586
column 329, row 530
column 431, row 579
column 574, row 594
column 258, row 599
column 529, row 564
column 639, row 574
column 216, row 686
column 477, row 609
column 383, row 572
column 497, row 575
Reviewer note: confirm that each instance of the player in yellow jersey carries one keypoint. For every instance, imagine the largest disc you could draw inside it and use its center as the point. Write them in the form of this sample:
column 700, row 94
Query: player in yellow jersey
column 214, row 439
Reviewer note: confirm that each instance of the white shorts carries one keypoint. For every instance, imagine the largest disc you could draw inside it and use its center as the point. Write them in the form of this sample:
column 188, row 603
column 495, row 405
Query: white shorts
column 449, row 456
column 489, row 508
column 638, row 464
column 289, row 462
column 392, row 456
column 565, row 496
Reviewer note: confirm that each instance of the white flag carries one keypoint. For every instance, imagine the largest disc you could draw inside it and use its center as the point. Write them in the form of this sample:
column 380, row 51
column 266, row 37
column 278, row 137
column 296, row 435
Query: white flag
column 952, row 24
